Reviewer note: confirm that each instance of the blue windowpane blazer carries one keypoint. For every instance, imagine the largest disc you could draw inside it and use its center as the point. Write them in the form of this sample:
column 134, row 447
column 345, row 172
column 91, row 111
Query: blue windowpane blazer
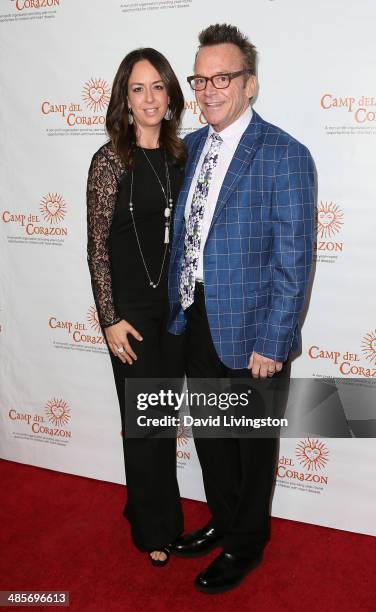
column 258, row 253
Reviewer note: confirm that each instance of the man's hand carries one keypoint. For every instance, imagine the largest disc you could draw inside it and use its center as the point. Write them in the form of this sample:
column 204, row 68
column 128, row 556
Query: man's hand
column 262, row 367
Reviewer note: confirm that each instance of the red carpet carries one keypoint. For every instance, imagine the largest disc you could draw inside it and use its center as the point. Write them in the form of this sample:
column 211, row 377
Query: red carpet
column 66, row 532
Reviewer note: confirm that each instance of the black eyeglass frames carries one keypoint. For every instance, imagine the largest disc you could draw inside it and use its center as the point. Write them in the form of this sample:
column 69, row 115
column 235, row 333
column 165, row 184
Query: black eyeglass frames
column 219, row 81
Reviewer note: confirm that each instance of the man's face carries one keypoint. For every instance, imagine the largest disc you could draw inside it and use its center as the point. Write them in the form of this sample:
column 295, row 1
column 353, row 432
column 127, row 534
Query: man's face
column 221, row 107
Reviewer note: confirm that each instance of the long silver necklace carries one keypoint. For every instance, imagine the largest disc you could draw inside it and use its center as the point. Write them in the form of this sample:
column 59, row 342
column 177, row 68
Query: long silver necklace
column 166, row 213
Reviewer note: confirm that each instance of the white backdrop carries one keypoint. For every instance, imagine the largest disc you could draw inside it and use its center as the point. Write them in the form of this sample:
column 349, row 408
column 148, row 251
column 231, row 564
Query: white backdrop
column 316, row 80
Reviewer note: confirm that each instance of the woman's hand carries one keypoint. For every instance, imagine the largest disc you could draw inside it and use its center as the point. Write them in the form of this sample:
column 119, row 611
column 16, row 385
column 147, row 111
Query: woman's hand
column 117, row 338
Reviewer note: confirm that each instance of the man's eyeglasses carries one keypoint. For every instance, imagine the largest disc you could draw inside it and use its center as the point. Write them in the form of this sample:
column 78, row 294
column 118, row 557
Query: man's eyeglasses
column 219, row 81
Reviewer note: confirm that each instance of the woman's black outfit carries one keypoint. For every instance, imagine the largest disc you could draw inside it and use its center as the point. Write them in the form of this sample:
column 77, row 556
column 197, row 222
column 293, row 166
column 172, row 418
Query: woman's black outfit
column 122, row 291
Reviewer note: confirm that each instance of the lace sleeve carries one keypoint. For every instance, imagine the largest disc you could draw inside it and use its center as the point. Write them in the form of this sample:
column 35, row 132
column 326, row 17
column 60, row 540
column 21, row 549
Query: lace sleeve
column 102, row 188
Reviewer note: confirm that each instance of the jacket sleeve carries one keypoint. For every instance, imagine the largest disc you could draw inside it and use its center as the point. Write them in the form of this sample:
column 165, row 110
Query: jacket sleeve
column 101, row 198
column 293, row 223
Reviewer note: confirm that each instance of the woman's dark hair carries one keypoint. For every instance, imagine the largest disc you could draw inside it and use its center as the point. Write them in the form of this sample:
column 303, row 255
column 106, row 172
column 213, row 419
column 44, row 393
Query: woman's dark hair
column 121, row 133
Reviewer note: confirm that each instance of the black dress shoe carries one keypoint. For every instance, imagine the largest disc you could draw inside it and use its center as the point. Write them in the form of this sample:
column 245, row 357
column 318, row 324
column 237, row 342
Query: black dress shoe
column 197, row 543
column 226, row 572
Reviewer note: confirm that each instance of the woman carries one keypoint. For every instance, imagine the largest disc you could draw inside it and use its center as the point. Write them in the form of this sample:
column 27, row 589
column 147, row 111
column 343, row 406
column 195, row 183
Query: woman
column 133, row 184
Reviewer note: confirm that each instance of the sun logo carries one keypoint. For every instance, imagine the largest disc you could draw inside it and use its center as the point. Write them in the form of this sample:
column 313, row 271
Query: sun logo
column 92, row 318
column 96, row 94
column 312, row 454
column 182, row 435
column 329, row 219
column 57, row 412
column 369, row 346
column 52, row 207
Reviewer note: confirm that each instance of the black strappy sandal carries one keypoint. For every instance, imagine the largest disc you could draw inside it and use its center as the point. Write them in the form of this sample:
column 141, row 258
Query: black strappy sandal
column 160, row 562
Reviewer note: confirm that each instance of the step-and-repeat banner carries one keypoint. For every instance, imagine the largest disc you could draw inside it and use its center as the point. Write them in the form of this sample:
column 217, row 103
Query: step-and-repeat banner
column 316, row 80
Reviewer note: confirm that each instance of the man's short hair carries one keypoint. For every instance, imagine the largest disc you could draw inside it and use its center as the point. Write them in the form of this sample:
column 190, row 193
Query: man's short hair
column 224, row 33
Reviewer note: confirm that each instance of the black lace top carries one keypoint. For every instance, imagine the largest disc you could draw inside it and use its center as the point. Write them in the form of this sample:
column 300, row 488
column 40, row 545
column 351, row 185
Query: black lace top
column 118, row 275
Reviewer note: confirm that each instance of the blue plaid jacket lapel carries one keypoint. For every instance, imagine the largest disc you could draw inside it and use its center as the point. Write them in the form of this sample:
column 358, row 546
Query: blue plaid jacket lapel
column 244, row 154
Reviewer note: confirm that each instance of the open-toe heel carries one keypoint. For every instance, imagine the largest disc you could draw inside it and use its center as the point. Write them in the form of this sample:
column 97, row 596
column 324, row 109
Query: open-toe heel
column 160, row 562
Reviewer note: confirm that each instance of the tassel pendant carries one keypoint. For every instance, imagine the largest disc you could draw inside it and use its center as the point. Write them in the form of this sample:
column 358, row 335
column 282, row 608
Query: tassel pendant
column 166, row 235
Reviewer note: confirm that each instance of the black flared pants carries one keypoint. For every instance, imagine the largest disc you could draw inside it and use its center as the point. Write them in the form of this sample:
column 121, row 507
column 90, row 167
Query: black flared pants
column 153, row 505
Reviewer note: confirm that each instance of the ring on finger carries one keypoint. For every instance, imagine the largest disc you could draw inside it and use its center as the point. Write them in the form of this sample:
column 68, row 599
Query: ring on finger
column 120, row 349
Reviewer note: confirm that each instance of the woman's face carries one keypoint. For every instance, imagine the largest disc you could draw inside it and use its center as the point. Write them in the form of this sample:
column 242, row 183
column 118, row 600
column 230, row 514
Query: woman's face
column 147, row 95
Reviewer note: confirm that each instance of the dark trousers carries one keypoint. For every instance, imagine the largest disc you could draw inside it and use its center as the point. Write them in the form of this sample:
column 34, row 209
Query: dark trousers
column 238, row 473
column 153, row 505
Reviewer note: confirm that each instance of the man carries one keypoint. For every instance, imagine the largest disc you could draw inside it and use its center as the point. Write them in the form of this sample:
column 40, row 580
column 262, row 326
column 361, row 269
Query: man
column 240, row 264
